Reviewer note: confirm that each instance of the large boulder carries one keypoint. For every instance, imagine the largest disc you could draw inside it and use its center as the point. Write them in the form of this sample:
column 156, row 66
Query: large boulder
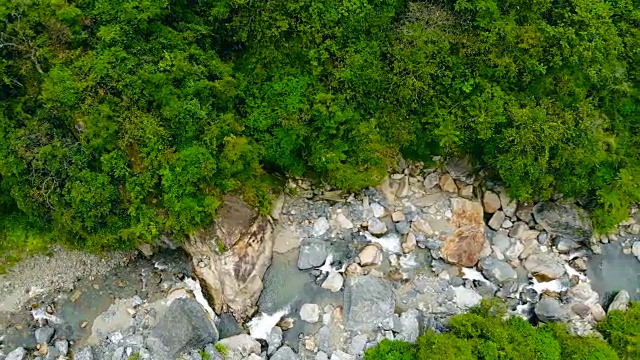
column 238, row 249
column 465, row 245
column 240, row 346
column 368, row 301
column 620, row 302
column 550, row 310
column 285, row 353
column 544, row 266
column 184, row 326
column 564, row 220
column 497, row 271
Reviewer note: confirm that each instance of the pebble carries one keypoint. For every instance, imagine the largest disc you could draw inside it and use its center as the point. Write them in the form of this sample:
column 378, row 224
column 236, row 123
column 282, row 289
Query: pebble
column 310, row 313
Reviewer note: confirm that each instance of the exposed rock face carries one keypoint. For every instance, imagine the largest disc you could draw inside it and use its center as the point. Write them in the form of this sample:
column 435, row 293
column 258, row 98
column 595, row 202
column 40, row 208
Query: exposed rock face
column 184, row 326
column 620, row 302
column 464, row 246
column 233, row 278
column 564, row 220
column 544, row 266
column 368, row 300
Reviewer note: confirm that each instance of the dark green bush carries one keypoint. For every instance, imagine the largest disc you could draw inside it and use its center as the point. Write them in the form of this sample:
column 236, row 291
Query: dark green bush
column 484, row 334
column 122, row 120
column 622, row 331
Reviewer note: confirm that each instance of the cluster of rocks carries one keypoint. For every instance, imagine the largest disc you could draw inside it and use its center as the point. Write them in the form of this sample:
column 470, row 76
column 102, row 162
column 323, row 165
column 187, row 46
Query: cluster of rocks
column 394, row 261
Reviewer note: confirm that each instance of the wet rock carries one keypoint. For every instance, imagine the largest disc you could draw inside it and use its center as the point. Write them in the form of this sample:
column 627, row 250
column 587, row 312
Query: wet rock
column 410, row 326
column 496, row 220
column 312, row 254
column 544, row 266
column 563, row 219
column 466, row 243
column 368, row 300
column 44, row 334
column 635, row 249
column 285, row 353
column 565, row 245
column 497, row 271
column 619, row 302
column 274, row 340
column 549, row 310
column 333, row 282
column 461, row 169
column 491, row 202
column 185, row 325
column 321, row 226
column 242, row 344
column 233, row 279
column 376, row 226
column 310, row 313
column 370, row 255
column 448, row 184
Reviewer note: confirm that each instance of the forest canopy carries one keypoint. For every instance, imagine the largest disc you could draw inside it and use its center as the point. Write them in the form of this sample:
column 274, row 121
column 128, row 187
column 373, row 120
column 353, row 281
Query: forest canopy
column 124, row 119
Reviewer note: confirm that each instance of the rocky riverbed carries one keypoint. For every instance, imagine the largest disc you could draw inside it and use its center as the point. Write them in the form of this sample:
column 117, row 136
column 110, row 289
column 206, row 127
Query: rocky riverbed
column 344, row 271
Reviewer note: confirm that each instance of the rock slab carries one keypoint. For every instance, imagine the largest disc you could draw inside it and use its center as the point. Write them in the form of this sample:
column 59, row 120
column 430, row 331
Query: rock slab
column 368, row 301
column 184, row 326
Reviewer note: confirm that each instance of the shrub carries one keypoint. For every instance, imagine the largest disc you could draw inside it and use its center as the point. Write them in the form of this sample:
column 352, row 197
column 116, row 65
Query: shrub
column 622, row 331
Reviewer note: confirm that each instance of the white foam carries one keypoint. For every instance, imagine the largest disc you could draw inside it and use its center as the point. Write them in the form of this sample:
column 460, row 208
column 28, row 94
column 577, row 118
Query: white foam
column 40, row 315
column 553, row 285
column 194, row 286
column 260, row 326
column 389, row 243
column 326, row 267
column 473, row 274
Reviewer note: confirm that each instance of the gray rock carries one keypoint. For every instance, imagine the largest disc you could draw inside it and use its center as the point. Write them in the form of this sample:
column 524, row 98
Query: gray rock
column 497, row 271
column 403, row 227
column 518, row 229
column 564, row 219
column 341, row 355
column 62, row 345
column 619, row 302
column 368, row 300
column 285, row 353
column 242, row 344
column 501, row 241
column 358, row 344
column 85, row 353
column 409, row 321
column 333, row 282
column 312, row 254
column 549, row 310
column 44, row 334
column 324, row 339
column 496, row 220
column 377, row 209
column 466, row 298
column 17, row 354
column 321, row 226
column 321, row 355
column 310, row 313
column 581, row 310
column 213, row 353
column 461, row 169
column 376, row 226
column 635, row 249
column 274, row 340
column 544, row 266
column 543, row 238
column 184, row 326
column 565, row 245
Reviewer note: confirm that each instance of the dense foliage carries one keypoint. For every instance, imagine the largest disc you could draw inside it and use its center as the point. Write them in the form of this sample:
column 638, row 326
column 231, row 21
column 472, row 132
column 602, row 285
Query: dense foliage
column 622, row 331
column 123, row 119
column 484, row 334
